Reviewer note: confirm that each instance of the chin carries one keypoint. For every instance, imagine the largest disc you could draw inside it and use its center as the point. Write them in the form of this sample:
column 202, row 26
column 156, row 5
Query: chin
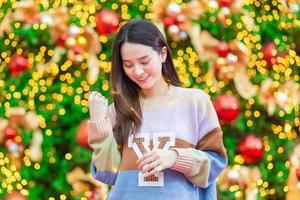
column 146, row 86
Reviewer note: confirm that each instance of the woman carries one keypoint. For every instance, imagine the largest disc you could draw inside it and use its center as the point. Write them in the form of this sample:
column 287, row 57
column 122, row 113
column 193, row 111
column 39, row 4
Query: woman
column 157, row 140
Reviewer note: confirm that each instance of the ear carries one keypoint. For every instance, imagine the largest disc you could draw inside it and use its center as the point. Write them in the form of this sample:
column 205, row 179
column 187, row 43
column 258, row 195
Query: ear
column 164, row 53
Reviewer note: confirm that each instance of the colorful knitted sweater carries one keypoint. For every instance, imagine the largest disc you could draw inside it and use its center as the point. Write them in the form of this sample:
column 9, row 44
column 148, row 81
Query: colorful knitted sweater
column 184, row 119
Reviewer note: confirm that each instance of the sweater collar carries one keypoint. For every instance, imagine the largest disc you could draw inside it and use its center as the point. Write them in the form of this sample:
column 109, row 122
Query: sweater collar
column 159, row 102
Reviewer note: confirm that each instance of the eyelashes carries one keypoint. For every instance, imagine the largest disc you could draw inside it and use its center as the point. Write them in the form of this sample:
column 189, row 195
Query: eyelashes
column 143, row 63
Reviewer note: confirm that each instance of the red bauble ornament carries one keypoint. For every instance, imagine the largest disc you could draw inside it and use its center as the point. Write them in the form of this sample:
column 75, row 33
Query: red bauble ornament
column 18, row 64
column 227, row 108
column 93, row 195
column 77, row 49
column 180, row 19
column 107, row 22
column 222, row 49
column 216, row 70
column 10, row 133
column 168, row 21
column 63, row 38
column 298, row 173
column 269, row 52
column 224, row 3
column 82, row 134
column 251, row 149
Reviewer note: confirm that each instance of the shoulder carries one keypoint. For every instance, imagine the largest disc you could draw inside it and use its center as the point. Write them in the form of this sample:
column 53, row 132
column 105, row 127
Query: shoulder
column 192, row 95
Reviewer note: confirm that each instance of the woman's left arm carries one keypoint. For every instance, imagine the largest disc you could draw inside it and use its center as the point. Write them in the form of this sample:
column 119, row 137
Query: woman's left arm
column 203, row 164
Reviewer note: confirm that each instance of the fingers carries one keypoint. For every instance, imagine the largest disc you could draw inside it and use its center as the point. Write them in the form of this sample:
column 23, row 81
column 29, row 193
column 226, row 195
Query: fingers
column 150, row 166
column 98, row 106
column 145, row 161
column 154, row 170
column 153, row 162
column 98, row 96
column 149, row 163
column 141, row 162
column 94, row 96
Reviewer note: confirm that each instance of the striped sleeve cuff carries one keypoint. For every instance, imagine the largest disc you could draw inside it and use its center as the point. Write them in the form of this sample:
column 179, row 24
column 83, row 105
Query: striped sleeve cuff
column 99, row 129
column 185, row 160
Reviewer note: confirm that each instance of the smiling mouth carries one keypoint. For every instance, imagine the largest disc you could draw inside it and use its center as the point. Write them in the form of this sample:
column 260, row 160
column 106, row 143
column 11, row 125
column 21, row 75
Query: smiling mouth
column 141, row 80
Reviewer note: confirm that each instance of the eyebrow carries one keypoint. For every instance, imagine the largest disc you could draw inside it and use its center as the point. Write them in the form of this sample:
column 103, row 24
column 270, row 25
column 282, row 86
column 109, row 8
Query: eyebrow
column 139, row 58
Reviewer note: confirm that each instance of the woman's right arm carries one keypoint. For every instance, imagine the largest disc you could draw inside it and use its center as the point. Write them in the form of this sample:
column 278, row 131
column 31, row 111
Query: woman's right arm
column 106, row 157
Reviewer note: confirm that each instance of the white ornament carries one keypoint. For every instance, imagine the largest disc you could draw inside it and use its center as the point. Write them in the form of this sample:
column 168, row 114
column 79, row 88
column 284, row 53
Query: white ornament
column 233, row 175
column 232, row 58
column 226, row 11
column 183, row 35
column 46, row 18
column 173, row 30
column 298, row 185
column 74, row 30
column 281, row 96
column 35, row 148
column 294, row 7
column 173, row 9
column 79, row 58
column 213, row 4
column 13, row 148
column 71, row 42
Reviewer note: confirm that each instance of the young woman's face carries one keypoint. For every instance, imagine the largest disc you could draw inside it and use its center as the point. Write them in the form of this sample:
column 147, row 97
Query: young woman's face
column 142, row 64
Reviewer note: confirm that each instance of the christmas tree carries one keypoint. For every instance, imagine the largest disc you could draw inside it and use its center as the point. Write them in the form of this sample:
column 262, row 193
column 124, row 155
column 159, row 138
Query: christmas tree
column 244, row 54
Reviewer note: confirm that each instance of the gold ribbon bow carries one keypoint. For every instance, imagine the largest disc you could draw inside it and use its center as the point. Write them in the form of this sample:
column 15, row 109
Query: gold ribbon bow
column 286, row 96
column 242, row 176
column 82, row 183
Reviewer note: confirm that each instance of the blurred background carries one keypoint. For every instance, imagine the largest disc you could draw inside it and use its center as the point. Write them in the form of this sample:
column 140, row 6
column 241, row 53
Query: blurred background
column 244, row 54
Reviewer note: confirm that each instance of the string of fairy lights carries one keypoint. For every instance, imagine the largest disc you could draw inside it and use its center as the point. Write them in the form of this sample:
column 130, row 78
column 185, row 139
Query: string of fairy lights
column 185, row 60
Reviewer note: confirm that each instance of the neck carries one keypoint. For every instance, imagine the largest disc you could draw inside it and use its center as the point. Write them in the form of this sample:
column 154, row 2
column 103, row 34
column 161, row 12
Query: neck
column 156, row 90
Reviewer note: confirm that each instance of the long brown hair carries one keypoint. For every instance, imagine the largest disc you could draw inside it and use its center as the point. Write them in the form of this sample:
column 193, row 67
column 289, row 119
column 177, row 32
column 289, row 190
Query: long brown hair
column 126, row 93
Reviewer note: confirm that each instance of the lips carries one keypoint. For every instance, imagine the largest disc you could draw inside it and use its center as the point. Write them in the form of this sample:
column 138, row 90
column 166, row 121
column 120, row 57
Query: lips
column 143, row 79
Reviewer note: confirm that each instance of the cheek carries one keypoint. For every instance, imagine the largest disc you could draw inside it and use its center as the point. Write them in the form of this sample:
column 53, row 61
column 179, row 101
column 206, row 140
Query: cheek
column 154, row 67
column 127, row 72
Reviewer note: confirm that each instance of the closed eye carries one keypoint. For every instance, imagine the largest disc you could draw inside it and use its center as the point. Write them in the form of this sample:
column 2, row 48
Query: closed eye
column 128, row 66
column 144, row 62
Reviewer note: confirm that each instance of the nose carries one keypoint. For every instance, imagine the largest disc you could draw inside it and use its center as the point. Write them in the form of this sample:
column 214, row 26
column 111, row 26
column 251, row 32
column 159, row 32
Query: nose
column 138, row 70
